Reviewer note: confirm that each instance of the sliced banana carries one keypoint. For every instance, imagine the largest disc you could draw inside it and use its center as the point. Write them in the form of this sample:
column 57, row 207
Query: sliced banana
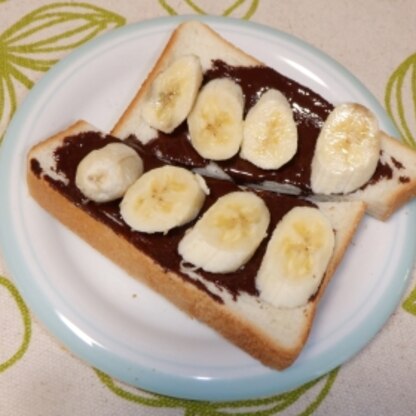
column 296, row 258
column 270, row 137
column 105, row 174
column 216, row 121
column 162, row 199
column 228, row 233
column 347, row 150
column 172, row 94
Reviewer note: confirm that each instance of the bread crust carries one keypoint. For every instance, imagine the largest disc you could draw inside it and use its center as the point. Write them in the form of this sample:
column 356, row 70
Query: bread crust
column 405, row 190
column 195, row 302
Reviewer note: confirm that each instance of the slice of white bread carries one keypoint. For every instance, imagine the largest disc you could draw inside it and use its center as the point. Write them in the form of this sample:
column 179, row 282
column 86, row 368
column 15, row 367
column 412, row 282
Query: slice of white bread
column 272, row 335
column 382, row 197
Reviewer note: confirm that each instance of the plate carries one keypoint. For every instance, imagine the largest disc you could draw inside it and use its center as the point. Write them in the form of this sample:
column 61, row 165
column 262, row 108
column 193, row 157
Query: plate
column 121, row 327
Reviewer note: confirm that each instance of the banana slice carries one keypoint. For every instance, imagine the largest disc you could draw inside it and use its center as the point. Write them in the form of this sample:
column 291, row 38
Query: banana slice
column 162, row 199
column 216, row 121
column 105, row 174
column 347, row 150
column 270, row 137
column 296, row 258
column 228, row 233
column 172, row 94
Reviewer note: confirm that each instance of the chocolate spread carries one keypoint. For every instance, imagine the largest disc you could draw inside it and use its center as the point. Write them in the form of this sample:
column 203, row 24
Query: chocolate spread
column 160, row 247
column 310, row 111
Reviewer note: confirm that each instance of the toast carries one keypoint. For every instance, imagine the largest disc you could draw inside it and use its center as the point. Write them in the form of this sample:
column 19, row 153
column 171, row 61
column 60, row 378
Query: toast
column 392, row 184
column 274, row 336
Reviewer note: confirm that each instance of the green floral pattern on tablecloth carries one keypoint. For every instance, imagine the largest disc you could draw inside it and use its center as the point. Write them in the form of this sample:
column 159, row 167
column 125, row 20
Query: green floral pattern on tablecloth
column 318, row 390
column 26, row 321
column 39, row 39
column 236, row 8
column 400, row 102
column 409, row 304
column 400, row 99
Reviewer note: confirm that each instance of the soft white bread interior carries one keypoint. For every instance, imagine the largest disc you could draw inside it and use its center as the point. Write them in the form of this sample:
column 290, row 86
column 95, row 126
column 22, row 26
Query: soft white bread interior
column 275, row 336
column 382, row 198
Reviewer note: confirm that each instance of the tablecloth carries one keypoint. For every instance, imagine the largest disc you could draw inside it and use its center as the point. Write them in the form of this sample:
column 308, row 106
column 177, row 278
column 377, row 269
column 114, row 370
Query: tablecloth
column 372, row 39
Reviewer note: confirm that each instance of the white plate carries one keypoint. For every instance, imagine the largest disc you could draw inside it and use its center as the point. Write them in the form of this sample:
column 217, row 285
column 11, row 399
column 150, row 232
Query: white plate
column 123, row 328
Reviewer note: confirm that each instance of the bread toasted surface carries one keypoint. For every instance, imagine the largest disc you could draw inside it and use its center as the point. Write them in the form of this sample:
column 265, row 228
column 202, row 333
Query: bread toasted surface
column 275, row 336
column 393, row 184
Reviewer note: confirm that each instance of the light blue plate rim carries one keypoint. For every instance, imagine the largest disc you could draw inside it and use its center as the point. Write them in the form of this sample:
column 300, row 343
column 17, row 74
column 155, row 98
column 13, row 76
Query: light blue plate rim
column 148, row 378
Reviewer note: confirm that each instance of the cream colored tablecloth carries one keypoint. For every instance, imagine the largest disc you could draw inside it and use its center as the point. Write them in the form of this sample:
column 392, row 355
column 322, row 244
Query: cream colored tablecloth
column 375, row 40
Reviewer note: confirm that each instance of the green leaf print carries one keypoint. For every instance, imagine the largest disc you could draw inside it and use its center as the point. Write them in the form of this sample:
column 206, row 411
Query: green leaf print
column 400, row 99
column 27, row 324
column 315, row 390
column 409, row 304
column 236, row 8
column 400, row 102
column 38, row 40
